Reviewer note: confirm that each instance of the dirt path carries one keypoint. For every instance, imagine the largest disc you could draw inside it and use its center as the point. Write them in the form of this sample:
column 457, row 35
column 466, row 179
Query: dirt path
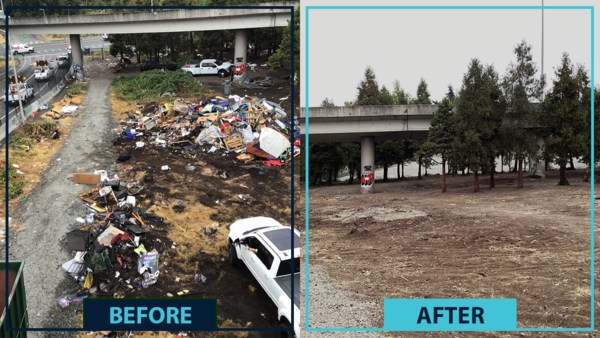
column 409, row 240
column 51, row 208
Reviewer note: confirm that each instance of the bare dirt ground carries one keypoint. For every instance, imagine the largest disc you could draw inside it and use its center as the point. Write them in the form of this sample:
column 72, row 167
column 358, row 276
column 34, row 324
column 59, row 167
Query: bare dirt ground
column 410, row 240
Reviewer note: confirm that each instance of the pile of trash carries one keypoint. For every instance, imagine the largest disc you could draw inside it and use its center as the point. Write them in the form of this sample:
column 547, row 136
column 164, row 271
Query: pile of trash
column 112, row 252
column 249, row 127
column 115, row 250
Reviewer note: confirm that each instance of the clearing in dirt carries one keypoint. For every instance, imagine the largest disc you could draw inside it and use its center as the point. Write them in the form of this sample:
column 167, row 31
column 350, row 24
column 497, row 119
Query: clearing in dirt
column 411, row 241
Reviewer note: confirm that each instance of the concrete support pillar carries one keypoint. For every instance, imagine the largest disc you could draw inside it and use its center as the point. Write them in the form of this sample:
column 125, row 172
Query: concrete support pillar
column 367, row 164
column 241, row 46
column 538, row 167
column 76, row 50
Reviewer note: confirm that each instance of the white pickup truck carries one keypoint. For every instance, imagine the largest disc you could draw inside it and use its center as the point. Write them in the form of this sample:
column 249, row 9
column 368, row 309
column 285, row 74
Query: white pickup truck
column 265, row 246
column 26, row 93
column 209, row 67
column 44, row 70
column 21, row 49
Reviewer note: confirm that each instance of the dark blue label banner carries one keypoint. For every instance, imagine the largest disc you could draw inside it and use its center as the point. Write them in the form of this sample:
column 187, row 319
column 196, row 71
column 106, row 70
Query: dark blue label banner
column 150, row 314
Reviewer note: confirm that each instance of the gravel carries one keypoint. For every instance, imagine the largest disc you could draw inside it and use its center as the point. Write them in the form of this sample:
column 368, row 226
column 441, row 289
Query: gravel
column 330, row 306
column 51, row 209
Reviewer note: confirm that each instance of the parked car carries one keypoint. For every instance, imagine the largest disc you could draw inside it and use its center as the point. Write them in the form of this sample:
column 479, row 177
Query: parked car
column 63, row 61
column 149, row 66
column 265, row 247
column 22, row 49
column 105, row 37
column 208, row 67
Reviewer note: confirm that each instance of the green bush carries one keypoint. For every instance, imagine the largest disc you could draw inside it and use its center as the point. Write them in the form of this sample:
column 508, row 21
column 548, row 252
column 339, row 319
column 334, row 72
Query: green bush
column 16, row 183
column 151, row 84
column 76, row 88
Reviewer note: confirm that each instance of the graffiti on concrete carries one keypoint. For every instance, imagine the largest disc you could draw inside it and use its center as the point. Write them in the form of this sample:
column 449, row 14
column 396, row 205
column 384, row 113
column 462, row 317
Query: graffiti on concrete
column 366, row 180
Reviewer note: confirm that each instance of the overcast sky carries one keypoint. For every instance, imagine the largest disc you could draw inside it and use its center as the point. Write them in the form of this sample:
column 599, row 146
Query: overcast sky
column 436, row 45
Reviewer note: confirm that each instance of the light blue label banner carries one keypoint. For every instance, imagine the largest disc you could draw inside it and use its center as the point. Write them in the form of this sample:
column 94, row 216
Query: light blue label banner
column 449, row 314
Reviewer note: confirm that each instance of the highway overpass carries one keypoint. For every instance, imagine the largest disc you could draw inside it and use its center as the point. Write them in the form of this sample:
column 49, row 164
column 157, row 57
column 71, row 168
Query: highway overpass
column 365, row 124
column 144, row 21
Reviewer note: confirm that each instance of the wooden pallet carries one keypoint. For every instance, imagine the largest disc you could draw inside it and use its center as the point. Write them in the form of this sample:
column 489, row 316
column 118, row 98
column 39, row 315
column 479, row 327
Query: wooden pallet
column 252, row 117
column 234, row 142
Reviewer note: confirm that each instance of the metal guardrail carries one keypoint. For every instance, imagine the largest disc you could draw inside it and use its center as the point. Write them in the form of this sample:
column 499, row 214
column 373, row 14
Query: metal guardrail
column 15, row 121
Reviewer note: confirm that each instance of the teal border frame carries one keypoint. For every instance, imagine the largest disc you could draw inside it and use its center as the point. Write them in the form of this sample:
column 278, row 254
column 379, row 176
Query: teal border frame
column 306, row 94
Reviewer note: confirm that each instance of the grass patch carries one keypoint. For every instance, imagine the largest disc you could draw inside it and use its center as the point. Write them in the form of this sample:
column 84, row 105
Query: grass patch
column 77, row 88
column 3, row 62
column 150, row 85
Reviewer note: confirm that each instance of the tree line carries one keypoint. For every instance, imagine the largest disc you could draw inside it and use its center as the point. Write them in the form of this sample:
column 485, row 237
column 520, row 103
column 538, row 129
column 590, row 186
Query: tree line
column 491, row 118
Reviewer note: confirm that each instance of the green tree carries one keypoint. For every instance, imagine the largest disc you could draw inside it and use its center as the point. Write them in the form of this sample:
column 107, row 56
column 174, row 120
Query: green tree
column 476, row 119
column 385, row 98
column 564, row 115
column 522, row 90
column 441, row 134
column 586, row 102
column 284, row 55
column 400, row 96
column 368, row 90
column 422, row 93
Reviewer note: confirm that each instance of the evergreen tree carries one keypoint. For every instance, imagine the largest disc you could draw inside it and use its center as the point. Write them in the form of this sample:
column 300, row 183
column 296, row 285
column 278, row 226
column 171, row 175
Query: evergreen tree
column 368, row 90
column 522, row 90
column 475, row 118
column 422, row 93
column 400, row 96
column 385, row 98
column 441, row 134
column 564, row 115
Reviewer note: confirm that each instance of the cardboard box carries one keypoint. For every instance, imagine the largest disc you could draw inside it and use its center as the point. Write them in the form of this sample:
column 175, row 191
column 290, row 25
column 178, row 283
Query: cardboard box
column 86, row 179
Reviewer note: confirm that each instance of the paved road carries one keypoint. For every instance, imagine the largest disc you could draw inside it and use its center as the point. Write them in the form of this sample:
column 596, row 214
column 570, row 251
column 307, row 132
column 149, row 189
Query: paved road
column 44, row 49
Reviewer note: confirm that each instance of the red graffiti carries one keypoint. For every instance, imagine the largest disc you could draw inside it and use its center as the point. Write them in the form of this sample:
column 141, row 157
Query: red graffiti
column 366, row 180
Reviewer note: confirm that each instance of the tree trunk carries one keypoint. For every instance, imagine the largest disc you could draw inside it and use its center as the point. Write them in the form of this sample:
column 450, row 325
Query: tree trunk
column 463, row 171
column 385, row 172
column 563, row 174
column 501, row 163
column 443, row 174
column 571, row 160
column 192, row 44
column 586, row 177
column 329, row 177
column 492, row 170
column 476, row 182
column 516, row 162
column 335, row 175
column 546, row 161
column 398, row 170
column 425, row 171
column 520, row 175
column 402, row 169
column 419, row 175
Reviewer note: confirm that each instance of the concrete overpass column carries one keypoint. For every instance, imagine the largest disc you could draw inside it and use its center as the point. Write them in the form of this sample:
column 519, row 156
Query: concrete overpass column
column 241, row 46
column 76, row 49
column 367, row 164
column 538, row 167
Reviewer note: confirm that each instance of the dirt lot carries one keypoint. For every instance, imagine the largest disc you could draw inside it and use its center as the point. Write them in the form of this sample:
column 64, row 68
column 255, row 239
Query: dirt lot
column 197, row 229
column 410, row 240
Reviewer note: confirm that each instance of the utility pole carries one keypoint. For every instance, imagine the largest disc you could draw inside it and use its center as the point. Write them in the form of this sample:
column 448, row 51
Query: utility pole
column 542, row 43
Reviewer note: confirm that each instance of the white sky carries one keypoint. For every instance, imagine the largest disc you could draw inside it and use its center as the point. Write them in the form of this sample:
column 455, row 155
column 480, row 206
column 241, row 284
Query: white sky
column 434, row 44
